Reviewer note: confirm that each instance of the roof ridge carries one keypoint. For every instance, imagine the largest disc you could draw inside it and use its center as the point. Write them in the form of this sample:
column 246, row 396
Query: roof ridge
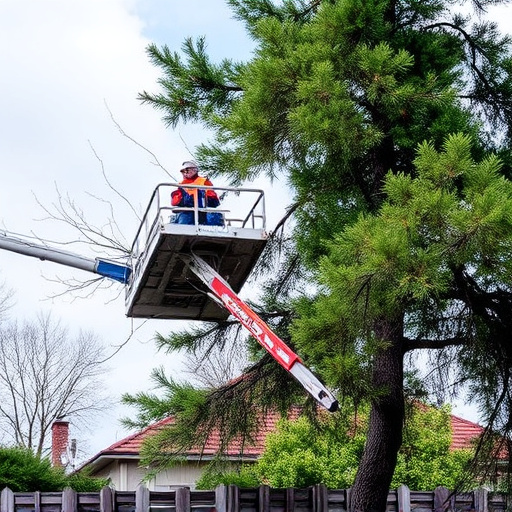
column 140, row 433
column 464, row 420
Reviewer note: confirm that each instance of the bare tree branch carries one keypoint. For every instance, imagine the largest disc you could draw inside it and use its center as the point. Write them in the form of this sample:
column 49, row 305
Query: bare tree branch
column 111, row 187
column 124, row 134
column 46, row 374
column 216, row 365
column 66, row 211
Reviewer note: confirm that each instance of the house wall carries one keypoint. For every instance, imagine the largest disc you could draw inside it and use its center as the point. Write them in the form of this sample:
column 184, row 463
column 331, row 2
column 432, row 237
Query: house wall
column 185, row 475
column 126, row 475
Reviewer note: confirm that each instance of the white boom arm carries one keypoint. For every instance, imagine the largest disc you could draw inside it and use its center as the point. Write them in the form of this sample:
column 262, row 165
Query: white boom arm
column 99, row 266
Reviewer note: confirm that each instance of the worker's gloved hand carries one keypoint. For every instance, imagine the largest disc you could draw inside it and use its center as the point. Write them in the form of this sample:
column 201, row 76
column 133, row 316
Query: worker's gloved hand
column 212, row 201
column 176, row 196
column 186, row 198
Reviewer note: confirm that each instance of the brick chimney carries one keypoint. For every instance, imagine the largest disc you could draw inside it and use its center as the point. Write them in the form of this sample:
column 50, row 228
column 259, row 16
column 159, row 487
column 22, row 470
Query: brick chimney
column 60, row 438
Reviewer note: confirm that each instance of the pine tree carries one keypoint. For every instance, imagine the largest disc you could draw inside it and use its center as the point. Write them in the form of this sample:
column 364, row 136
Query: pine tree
column 409, row 247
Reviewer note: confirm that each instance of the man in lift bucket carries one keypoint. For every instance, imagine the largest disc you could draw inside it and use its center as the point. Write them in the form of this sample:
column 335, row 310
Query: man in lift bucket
column 187, row 197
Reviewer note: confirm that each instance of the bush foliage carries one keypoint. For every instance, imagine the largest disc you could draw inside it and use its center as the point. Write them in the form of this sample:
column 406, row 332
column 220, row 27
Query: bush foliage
column 300, row 453
column 23, row 471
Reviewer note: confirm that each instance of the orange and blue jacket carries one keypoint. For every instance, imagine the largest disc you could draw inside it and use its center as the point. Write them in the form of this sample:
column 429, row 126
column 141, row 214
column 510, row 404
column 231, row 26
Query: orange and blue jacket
column 187, row 196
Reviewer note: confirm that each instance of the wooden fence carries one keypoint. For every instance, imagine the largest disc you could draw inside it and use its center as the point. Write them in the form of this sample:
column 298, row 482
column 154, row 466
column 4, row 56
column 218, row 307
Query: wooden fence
column 233, row 499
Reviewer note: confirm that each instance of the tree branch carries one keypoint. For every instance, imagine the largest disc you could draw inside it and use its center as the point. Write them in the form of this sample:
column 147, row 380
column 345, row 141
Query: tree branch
column 425, row 343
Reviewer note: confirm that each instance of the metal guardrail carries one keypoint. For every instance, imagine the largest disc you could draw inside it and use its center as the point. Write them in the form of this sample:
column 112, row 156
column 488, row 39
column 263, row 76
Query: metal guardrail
column 236, row 206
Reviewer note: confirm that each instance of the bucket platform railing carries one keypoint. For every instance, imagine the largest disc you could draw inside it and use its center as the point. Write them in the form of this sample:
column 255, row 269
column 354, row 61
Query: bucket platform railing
column 160, row 285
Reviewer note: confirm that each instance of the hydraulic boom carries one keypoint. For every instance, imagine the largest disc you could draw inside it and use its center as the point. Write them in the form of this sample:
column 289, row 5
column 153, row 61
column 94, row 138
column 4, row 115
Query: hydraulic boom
column 277, row 348
column 98, row 266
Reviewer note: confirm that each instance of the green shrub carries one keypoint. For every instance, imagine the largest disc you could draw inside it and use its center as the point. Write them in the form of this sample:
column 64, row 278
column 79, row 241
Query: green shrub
column 300, row 453
column 22, row 471
column 244, row 478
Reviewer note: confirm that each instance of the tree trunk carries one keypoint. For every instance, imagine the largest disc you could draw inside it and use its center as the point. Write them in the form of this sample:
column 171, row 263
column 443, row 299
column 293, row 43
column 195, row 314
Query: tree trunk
column 373, row 479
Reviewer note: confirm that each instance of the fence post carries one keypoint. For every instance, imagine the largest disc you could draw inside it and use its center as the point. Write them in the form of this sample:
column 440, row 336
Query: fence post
column 183, row 499
column 403, row 495
column 221, row 497
column 7, row 500
column 106, row 499
column 142, row 499
column 480, row 499
column 233, row 501
column 320, row 501
column 263, row 498
column 69, row 502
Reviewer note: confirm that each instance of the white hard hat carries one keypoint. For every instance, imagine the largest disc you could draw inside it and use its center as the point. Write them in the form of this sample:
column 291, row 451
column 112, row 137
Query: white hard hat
column 189, row 163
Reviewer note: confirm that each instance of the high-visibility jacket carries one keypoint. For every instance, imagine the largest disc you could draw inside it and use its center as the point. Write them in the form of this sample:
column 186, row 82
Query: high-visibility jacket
column 186, row 196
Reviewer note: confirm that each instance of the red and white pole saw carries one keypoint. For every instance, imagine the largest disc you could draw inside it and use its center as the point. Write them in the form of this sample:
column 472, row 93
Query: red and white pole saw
column 277, row 348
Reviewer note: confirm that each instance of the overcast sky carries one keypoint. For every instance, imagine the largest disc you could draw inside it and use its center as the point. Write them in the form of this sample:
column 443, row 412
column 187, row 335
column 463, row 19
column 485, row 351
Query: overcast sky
column 65, row 66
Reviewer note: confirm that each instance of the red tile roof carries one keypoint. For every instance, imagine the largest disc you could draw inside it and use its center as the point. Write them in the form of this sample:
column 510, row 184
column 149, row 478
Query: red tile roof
column 132, row 444
column 464, row 432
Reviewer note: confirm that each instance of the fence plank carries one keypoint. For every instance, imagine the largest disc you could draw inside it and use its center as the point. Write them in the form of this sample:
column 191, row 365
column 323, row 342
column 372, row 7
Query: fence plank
column 233, row 502
column 7, row 500
column 320, row 498
column 263, row 498
column 183, row 499
column 290, row 500
column 480, row 500
column 142, row 500
column 221, row 498
column 441, row 499
column 106, row 500
column 37, row 501
column 349, row 499
column 403, row 495
column 69, row 500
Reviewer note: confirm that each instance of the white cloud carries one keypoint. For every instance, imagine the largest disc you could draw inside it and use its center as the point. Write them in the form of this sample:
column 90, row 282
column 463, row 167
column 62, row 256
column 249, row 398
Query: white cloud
column 61, row 63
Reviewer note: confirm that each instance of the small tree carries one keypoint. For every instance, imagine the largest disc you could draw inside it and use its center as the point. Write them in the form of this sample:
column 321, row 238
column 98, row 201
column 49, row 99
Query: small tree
column 46, row 374
column 300, row 454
